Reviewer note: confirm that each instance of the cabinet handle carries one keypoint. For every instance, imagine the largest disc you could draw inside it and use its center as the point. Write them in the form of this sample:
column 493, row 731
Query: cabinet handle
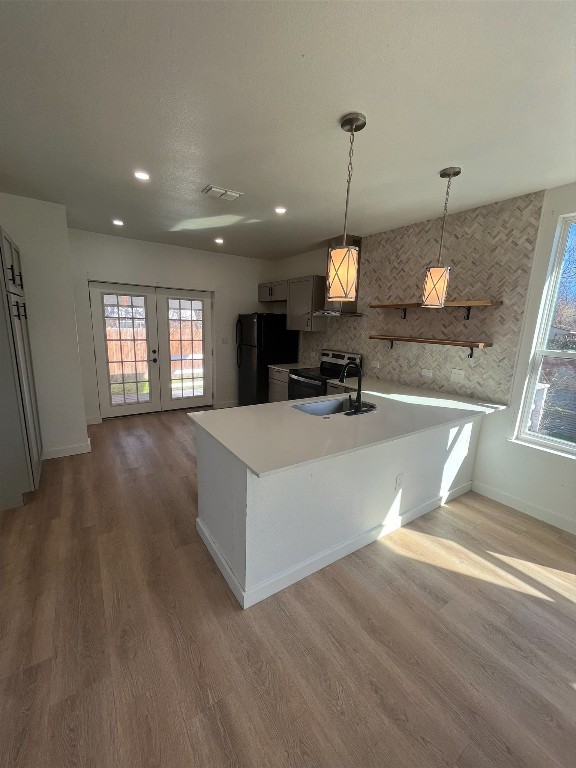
column 17, row 307
column 24, row 312
column 12, row 273
column 20, row 281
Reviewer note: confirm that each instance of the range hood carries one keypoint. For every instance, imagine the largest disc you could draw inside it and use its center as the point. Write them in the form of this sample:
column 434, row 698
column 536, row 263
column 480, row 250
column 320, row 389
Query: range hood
column 343, row 308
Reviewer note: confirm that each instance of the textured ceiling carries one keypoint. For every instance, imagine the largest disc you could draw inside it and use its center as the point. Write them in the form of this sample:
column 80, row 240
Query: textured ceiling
column 248, row 96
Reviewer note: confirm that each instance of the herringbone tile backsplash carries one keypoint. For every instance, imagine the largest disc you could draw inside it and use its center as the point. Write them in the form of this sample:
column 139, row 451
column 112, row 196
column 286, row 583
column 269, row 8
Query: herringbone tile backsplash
column 490, row 251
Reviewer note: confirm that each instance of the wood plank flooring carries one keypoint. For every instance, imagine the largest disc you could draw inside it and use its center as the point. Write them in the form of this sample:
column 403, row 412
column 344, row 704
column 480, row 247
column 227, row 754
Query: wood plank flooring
column 449, row 644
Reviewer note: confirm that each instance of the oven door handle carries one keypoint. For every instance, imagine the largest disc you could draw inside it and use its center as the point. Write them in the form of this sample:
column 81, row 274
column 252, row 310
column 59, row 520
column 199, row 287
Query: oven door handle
column 301, row 378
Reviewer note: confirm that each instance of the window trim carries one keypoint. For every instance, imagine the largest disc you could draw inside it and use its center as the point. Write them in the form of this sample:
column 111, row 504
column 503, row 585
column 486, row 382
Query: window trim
column 539, row 350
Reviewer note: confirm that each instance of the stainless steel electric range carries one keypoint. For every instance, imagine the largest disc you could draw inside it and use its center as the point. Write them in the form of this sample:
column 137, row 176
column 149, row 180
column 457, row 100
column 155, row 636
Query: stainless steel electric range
column 313, row 382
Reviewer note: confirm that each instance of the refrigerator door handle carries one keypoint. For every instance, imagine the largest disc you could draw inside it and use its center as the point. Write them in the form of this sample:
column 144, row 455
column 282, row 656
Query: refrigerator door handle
column 238, row 332
column 238, row 356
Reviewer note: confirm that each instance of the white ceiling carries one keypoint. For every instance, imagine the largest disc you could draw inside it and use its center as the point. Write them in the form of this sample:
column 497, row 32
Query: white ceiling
column 248, row 96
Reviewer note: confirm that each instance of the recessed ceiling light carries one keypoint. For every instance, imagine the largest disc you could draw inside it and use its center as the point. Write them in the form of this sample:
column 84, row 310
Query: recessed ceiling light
column 280, row 210
column 118, row 222
column 219, row 241
column 142, row 175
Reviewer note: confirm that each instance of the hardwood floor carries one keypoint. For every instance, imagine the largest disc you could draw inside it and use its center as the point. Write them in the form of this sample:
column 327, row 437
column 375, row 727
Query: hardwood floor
column 450, row 643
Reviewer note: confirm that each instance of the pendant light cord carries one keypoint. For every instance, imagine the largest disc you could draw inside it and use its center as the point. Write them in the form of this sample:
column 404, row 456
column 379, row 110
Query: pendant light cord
column 444, row 219
column 350, row 171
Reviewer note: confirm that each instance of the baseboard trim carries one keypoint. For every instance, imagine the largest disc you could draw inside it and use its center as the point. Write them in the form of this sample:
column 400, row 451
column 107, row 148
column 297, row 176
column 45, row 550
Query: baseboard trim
column 254, row 595
column 93, row 420
column 220, row 561
column 524, row 506
column 67, row 450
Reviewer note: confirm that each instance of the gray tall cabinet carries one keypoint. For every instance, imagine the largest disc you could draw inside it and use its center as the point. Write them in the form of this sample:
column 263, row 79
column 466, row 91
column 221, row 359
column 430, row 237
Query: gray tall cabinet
column 20, row 439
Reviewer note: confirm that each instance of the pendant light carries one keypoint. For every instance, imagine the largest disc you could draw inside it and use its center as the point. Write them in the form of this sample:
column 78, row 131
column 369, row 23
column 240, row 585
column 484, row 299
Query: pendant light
column 342, row 277
column 436, row 280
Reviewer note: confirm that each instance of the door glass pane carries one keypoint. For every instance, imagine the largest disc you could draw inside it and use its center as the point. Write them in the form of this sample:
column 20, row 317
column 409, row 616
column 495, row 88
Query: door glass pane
column 186, row 349
column 554, row 408
column 126, row 348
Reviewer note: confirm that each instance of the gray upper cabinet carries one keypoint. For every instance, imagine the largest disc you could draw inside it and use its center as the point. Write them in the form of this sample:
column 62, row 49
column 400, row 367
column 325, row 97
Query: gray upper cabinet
column 276, row 291
column 12, row 266
column 21, row 443
column 306, row 296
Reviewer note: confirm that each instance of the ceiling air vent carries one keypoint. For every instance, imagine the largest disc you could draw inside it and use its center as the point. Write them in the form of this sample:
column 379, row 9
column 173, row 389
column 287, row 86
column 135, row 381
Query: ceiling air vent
column 223, row 194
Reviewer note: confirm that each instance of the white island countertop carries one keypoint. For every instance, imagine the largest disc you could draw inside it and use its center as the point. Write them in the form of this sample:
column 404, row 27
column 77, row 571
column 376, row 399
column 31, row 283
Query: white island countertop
column 272, row 437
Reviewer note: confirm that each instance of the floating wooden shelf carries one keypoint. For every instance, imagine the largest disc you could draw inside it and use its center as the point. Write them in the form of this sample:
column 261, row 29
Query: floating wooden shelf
column 471, row 345
column 466, row 304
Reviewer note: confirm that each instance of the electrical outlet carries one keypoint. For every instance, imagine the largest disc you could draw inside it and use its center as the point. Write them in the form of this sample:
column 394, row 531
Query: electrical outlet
column 457, row 375
column 427, row 373
column 375, row 364
column 399, row 481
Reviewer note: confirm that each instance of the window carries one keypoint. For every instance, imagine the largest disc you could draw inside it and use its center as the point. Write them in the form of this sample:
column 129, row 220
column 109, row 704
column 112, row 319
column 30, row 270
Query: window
column 548, row 416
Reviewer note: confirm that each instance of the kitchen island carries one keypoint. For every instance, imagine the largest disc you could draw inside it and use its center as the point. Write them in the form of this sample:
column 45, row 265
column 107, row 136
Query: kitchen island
column 282, row 493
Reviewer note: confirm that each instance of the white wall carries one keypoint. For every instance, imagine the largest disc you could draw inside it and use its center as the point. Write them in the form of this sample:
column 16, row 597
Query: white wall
column 233, row 279
column 40, row 229
column 311, row 263
column 535, row 481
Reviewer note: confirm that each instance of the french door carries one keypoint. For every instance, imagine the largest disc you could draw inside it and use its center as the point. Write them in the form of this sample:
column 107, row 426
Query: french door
column 153, row 348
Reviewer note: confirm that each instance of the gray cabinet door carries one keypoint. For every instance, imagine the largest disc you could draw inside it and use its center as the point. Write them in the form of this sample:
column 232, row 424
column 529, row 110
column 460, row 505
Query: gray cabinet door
column 277, row 391
column 300, row 304
column 276, row 291
column 19, row 318
column 12, row 265
column 306, row 296
column 279, row 290
column 265, row 292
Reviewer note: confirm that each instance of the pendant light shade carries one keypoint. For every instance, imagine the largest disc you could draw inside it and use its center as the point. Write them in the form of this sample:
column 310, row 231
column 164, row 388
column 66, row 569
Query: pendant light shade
column 435, row 287
column 343, row 260
column 342, row 278
column 436, row 279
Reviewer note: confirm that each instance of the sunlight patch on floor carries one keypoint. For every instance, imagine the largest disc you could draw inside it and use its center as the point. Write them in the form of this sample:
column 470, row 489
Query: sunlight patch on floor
column 538, row 571
column 445, row 554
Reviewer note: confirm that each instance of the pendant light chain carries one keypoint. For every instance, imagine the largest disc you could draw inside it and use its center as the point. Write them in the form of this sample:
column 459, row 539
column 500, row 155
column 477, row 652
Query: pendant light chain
column 444, row 219
column 350, row 171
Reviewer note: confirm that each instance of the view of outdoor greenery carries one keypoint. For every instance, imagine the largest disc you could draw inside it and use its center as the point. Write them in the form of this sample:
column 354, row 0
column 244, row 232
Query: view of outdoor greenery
column 554, row 407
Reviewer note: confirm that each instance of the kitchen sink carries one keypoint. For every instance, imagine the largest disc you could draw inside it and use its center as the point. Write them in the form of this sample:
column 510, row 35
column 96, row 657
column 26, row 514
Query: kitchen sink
column 324, row 407
column 330, row 407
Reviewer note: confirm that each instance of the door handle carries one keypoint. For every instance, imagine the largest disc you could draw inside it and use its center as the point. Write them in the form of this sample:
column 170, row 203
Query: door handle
column 300, row 378
column 154, row 360
column 238, row 356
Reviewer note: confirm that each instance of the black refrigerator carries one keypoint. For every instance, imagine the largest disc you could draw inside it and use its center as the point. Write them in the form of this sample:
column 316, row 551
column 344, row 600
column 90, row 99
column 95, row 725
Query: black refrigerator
column 261, row 339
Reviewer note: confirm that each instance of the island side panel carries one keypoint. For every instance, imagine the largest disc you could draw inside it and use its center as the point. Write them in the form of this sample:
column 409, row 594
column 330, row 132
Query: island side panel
column 222, row 504
column 303, row 518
